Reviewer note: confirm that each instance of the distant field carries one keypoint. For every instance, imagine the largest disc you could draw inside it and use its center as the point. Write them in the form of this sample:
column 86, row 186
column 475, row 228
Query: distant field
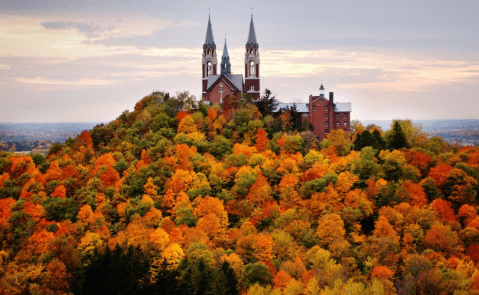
column 464, row 131
column 58, row 132
column 432, row 125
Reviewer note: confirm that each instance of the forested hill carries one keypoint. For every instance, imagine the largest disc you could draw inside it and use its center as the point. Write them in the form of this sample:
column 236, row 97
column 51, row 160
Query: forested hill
column 179, row 198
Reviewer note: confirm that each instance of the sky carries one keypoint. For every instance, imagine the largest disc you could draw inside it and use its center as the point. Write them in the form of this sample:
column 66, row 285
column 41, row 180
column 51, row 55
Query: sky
column 88, row 61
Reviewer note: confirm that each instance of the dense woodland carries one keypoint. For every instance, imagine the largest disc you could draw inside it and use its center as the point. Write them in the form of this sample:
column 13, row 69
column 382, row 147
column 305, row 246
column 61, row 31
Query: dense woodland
column 178, row 198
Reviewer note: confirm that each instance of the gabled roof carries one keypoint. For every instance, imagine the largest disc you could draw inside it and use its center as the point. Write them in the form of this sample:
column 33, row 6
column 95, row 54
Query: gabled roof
column 235, row 80
column 209, row 40
column 300, row 107
column 304, row 107
column 342, row 107
column 251, row 35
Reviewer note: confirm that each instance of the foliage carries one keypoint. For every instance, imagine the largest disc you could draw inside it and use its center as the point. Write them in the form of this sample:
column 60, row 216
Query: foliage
column 179, row 198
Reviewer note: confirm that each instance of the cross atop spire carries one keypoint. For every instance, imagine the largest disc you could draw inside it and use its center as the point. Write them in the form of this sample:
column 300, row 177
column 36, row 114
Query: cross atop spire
column 225, row 50
column 209, row 40
column 252, row 34
column 225, row 61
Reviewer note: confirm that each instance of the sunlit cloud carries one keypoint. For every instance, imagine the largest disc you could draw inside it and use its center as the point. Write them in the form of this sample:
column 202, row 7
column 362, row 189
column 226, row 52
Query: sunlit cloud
column 80, row 82
column 27, row 37
column 5, row 67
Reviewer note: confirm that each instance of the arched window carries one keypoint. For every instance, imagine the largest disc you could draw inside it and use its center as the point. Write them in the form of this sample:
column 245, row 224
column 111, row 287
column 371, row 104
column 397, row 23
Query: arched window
column 251, row 68
column 209, row 69
column 251, row 87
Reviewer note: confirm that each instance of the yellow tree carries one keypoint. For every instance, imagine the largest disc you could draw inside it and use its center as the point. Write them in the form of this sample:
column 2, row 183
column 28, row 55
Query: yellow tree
column 339, row 139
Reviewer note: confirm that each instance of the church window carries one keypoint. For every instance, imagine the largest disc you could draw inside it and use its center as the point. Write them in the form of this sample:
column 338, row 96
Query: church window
column 251, row 68
column 209, row 69
column 251, row 87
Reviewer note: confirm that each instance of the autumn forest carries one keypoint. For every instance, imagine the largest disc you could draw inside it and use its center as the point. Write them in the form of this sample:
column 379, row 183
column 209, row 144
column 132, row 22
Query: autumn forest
column 177, row 197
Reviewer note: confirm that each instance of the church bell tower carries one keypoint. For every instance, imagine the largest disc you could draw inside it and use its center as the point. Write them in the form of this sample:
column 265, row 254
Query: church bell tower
column 251, row 61
column 209, row 61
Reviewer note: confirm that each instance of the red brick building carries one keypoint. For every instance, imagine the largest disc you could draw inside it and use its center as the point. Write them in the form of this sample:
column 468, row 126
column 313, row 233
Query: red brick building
column 323, row 113
column 215, row 87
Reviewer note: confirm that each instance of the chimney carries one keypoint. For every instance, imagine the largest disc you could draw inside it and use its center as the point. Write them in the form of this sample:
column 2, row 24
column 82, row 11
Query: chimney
column 331, row 97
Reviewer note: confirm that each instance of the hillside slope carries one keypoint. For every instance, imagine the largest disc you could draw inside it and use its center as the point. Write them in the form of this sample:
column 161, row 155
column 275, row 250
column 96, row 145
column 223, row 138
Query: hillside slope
column 177, row 199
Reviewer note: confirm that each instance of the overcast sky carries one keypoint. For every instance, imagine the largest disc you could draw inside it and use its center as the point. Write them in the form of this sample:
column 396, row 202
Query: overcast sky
column 70, row 61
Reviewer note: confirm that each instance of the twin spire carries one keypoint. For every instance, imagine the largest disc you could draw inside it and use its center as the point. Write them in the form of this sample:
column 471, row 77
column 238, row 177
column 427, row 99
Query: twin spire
column 209, row 40
column 252, row 35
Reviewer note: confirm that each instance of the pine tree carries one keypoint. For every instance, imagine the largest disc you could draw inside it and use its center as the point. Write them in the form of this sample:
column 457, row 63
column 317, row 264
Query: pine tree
column 398, row 138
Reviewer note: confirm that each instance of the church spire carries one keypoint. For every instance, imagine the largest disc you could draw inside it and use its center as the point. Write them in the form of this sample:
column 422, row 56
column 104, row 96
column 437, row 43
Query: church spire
column 225, row 51
column 225, row 62
column 252, row 35
column 209, row 61
column 209, row 40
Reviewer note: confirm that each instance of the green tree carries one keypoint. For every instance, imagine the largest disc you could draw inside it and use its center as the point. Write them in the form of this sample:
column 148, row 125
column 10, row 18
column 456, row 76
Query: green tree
column 396, row 138
column 255, row 273
column 121, row 271
column 267, row 103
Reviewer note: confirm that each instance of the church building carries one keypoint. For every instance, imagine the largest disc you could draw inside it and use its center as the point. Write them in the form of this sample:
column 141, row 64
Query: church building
column 322, row 113
column 217, row 86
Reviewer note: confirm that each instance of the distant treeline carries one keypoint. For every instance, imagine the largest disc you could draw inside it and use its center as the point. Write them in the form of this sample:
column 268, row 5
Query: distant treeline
column 59, row 132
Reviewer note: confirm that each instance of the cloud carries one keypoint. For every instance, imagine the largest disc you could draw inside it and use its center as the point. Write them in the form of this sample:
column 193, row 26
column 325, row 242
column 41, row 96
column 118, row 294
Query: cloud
column 79, row 82
column 5, row 67
column 81, row 27
column 68, row 40
column 380, row 72
column 112, row 28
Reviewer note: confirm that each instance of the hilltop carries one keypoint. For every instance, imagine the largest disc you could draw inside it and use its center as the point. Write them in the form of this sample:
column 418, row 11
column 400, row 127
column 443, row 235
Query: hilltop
column 183, row 198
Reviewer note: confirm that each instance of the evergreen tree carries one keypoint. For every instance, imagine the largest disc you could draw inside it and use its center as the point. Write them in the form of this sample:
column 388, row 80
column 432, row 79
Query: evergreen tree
column 366, row 138
column 117, row 272
column 267, row 103
column 398, row 138
column 166, row 282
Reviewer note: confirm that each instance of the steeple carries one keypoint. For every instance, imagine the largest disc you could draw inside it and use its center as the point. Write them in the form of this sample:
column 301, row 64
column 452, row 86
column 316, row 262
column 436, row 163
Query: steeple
column 209, row 40
column 225, row 62
column 252, row 35
column 251, row 63
column 209, row 61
